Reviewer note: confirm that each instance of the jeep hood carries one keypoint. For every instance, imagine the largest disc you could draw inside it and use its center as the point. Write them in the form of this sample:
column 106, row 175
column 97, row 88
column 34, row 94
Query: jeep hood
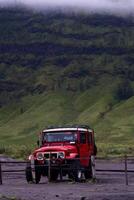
column 65, row 148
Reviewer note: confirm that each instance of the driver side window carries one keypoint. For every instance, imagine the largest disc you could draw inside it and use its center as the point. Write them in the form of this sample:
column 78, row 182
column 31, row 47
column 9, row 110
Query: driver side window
column 83, row 138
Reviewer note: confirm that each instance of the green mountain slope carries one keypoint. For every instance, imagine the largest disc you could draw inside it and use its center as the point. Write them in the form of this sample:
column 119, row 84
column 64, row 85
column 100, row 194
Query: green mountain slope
column 23, row 124
column 66, row 69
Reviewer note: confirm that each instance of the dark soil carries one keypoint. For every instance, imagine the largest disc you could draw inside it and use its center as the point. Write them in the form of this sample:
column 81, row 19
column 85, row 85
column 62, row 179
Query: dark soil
column 108, row 185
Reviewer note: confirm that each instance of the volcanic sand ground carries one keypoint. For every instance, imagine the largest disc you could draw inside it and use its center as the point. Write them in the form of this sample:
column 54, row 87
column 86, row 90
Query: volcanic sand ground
column 108, row 186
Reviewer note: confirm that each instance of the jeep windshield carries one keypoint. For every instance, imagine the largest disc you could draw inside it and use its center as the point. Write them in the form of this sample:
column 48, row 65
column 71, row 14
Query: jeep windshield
column 59, row 136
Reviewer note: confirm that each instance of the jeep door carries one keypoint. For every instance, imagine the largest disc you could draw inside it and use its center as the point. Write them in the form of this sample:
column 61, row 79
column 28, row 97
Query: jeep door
column 84, row 148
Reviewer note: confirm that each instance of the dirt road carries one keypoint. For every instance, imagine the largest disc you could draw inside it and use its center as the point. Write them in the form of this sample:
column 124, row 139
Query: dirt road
column 109, row 186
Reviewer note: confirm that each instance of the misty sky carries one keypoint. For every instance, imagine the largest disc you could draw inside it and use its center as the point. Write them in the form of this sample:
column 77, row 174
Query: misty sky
column 112, row 6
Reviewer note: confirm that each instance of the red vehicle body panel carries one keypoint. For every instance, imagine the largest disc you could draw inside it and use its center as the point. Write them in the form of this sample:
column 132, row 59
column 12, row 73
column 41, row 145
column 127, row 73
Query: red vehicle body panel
column 81, row 149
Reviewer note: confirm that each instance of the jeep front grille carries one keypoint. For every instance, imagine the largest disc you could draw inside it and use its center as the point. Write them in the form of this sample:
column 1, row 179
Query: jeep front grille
column 53, row 155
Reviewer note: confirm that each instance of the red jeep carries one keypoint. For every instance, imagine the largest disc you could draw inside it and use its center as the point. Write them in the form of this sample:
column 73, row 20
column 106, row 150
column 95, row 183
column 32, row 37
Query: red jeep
column 70, row 149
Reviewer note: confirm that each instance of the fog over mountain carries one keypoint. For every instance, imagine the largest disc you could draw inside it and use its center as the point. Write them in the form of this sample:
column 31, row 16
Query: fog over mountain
column 121, row 7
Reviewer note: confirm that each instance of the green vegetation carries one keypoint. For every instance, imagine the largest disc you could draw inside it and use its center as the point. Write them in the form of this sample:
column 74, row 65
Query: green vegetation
column 3, row 197
column 66, row 69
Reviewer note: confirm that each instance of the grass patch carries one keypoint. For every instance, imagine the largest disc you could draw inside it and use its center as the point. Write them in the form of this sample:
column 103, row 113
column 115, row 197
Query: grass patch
column 113, row 150
column 15, row 151
column 3, row 197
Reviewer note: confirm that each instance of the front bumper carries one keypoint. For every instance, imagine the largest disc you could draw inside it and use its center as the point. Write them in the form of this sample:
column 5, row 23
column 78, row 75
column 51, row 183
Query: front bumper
column 56, row 164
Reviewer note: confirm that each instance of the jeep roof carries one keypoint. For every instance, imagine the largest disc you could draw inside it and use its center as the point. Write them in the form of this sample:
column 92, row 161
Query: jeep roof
column 68, row 128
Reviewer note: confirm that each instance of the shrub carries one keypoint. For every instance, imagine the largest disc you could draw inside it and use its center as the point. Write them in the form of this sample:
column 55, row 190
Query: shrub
column 124, row 90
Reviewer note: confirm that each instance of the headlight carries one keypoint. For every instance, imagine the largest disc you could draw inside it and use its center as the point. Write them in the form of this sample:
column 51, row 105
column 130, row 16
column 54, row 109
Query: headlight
column 61, row 155
column 31, row 157
column 40, row 156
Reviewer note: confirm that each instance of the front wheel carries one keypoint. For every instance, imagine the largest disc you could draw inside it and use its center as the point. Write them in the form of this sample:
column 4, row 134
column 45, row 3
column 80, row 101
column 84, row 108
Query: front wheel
column 75, row 172
column 33, row 176
column 37, row 174
column 28, row 173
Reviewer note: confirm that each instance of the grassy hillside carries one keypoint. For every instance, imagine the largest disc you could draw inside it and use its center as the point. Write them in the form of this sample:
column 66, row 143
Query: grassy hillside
column 113, row 126
column 66, row 69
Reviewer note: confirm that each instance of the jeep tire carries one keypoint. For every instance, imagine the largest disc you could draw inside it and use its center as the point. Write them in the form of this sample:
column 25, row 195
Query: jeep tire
column 74, row 172
column 37, row 174
column 32, row 176
column 28, row 173
column 90, row 170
